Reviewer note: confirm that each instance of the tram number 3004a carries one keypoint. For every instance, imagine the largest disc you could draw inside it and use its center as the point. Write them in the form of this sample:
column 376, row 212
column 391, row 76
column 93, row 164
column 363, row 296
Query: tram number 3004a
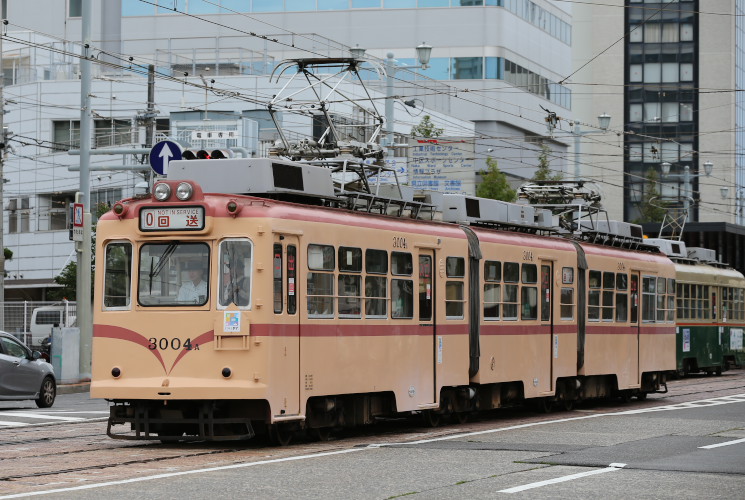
column 164, row 344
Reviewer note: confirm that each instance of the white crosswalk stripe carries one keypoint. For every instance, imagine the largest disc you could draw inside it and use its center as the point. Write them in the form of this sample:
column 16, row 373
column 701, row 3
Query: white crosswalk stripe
column 35, row 418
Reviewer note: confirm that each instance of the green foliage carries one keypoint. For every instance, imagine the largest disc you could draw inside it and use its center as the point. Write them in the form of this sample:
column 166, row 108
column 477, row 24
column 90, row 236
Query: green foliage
column 69, row 286
column 426, row 128
column 543, row 173
column 494, row 183
column 651, row 208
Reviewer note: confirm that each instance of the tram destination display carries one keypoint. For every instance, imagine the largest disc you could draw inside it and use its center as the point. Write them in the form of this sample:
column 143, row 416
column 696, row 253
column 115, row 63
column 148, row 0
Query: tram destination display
column 172, row 219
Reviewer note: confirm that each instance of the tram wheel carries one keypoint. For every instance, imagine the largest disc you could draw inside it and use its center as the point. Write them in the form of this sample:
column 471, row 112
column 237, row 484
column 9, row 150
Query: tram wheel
column 544, row 405
column 431, row 419
column 568, row 404
column 461, row 417
column 625, row 396
column 718, row 371
column 641, row 396
column 321, row 433
column 280, row 434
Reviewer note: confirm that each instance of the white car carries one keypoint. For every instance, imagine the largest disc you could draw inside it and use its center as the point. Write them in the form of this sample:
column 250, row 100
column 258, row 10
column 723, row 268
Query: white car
column 23, row 374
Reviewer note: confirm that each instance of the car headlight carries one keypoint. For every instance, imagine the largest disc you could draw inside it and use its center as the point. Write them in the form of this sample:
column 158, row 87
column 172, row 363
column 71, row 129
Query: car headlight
column 162, row 191
column 184, row 191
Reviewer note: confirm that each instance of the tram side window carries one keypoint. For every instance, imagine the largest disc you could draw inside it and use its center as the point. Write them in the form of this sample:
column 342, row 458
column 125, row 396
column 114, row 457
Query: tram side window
column 567, row 303
column 593, row 299
column 455, row 267
column 402, row 290
column 546, row 293
column 376, row 261
column 350, row 293
column 703, row 300
column 661, row 300
column 235, row 273
column 173, row 274
column 622, row 300
column 492, row 289
column 376, row 287
column 321, row 284
column 738, row 312
column 682, row 299
column 529, row 294
column 609, row 284
column 509, row 300
column 567, row 294
column 670, row 300
column 634, row 299
column 118, row 276
column 649, row 290
column 277, row 278
column 291, row 279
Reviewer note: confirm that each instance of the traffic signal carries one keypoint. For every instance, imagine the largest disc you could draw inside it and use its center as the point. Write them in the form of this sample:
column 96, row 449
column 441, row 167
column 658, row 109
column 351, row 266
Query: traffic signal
column 203, row 154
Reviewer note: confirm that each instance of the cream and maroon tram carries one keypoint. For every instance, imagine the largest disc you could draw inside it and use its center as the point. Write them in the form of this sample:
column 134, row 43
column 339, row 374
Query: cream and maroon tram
column 217, row 314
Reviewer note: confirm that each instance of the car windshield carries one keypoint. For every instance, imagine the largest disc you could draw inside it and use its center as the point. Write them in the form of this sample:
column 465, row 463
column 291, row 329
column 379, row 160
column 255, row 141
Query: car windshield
column 174, row 274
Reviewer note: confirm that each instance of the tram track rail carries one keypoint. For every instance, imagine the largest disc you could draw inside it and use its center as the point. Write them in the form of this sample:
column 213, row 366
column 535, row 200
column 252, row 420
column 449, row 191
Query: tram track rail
column 23, row 462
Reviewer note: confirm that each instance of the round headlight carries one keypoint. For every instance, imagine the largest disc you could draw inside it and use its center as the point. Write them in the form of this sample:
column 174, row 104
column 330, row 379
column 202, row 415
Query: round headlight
column 162, row 191
column 184, row 191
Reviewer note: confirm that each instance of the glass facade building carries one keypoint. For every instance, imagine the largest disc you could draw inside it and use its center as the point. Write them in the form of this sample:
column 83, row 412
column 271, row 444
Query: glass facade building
column 661, row 102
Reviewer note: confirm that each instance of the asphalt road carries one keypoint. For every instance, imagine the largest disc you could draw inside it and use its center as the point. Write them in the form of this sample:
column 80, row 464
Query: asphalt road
column 688, row 444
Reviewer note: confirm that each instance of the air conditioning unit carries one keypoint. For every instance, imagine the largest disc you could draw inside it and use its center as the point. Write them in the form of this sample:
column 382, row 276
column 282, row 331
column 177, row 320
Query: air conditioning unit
column 670, row 248
column 702, row 254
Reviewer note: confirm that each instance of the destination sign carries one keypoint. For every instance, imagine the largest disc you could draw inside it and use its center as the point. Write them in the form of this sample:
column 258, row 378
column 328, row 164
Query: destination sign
column 172, row 219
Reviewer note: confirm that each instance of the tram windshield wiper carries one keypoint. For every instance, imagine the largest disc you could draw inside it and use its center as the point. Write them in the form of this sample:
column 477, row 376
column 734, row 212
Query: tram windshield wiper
column 163, row 260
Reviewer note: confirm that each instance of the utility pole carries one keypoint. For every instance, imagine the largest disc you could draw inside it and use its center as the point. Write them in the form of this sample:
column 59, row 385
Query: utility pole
column 150, row 119
column 83, row 283
column 2, row 180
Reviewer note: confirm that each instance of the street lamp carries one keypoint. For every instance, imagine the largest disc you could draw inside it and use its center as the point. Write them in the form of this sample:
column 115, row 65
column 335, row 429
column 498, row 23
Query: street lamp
column 603, row 124
column 708, row 168
column 423, row 52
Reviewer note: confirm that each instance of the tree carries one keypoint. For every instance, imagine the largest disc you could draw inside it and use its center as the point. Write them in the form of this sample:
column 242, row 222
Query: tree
column 651, row 208
column 426, row 128
column 68, row 277
column 494, row 183
column 543, row 173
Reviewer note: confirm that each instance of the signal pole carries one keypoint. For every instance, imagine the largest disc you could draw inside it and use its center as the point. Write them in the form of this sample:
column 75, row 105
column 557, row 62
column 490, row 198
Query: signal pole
column 83, row 283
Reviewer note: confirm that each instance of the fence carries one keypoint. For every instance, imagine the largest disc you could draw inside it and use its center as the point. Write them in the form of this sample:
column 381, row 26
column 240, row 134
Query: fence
column 18, row 316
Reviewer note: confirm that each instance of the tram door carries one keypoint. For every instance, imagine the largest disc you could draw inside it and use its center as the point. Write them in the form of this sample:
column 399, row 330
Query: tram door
column 428, row 338
column 285, row 304
column 547, row 317
column 635, row 302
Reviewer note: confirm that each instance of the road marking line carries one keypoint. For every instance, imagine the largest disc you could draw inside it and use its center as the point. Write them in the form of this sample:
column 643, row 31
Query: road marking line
column 12, row 424
column 611, row 468
column 726, row 443
column 41, row 415
column 181, row 473
column 339, row 452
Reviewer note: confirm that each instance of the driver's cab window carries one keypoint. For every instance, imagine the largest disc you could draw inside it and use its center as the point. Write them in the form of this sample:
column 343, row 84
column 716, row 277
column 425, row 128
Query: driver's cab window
column 13, row 349
column 174, row 274
column 235, row 272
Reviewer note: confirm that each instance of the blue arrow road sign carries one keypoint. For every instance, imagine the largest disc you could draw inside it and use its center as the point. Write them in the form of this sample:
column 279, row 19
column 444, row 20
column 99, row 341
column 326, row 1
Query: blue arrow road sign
column 162, row 154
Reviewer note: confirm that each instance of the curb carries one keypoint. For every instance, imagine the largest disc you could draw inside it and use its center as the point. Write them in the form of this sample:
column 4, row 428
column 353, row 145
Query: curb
column 73, row 388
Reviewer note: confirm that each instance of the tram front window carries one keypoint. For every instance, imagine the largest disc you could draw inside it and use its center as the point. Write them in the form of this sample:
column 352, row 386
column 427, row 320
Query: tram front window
column 235, row 275
column 173, row 274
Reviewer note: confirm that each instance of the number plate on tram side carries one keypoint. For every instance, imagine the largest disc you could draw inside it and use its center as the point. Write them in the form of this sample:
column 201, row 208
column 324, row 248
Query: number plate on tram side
column 172, row 219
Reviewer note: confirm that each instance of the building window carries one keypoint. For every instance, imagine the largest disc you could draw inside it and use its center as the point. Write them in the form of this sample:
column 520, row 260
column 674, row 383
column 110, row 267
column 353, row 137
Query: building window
column 18, row 216
column 66, row 135
column 74, row 8
column 54, row 211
